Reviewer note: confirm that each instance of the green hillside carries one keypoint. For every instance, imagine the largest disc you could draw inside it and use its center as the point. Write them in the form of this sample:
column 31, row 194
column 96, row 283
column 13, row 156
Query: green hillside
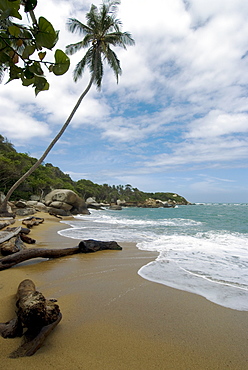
column 47, row 177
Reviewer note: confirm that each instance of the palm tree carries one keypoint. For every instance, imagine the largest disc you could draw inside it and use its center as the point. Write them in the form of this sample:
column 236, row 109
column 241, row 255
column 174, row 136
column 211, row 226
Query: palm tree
column 101, row 31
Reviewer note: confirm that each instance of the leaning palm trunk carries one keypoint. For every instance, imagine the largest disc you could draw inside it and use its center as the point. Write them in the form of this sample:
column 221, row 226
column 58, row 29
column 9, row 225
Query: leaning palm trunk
column 3, row 207
column 101, row 31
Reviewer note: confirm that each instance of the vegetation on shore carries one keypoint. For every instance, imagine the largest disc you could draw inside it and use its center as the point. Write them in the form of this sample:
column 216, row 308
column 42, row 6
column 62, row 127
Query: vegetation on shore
column 47, row 177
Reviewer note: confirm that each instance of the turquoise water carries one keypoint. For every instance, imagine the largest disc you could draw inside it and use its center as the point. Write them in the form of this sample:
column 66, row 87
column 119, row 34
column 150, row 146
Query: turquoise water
column 202, row 249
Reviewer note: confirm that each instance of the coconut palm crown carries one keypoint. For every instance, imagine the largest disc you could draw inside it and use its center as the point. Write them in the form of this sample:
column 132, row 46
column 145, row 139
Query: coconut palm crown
column 101, row 31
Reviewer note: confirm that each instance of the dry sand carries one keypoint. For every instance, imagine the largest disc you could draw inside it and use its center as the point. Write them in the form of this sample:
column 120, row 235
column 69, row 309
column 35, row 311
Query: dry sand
column 114, row 319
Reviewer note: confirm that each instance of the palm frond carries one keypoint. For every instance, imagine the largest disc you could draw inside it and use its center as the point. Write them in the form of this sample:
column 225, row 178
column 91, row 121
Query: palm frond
column 113, row 62
column 97, row 69
column 119, row 39
column 74, row 25
column 92, row 17
column 73, row 48
column 86, row 61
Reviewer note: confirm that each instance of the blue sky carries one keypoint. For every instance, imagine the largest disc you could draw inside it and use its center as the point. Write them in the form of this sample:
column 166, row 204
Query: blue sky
column 178, row 119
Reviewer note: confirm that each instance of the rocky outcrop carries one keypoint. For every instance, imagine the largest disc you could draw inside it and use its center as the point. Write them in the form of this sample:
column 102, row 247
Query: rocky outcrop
column 92, row 203
column 65, row 200
column 115, row 207
column 62, row 202
column 156, row 203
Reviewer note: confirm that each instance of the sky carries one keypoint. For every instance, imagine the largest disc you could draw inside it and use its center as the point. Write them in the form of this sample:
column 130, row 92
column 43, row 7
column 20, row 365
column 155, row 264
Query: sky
column 177, row 121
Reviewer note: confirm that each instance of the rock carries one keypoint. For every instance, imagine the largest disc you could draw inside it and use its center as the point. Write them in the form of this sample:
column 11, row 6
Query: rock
column 155, row 203
column 4, row 223
column 61, row 205
column 115, row 207
column 35, row 198
column 57, row 211
column 41, row 207
column 21, row 204
column 91, row 203
column 69, row 197
column 31, row 203
column 25, row 211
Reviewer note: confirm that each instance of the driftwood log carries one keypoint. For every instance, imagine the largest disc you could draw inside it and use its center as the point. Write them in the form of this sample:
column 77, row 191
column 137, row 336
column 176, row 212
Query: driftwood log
column 85, row 246
column 9, row 233
column 32, row 221
column 12, row 246
column 35, row 314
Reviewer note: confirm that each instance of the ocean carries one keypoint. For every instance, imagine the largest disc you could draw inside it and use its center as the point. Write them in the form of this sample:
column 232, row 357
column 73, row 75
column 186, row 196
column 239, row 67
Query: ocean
column 202, row 248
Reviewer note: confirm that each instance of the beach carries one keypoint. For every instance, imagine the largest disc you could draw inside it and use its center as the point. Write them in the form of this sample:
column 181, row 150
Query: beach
column 115, row 319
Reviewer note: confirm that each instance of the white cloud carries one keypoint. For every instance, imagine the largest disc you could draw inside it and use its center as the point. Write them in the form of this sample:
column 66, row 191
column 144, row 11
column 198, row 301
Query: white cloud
column 216, row 123
column 180, row 102
column 19, row 124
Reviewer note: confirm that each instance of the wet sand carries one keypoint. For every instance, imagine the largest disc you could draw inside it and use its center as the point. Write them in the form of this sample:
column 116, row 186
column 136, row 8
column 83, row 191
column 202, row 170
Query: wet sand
column 114, row 319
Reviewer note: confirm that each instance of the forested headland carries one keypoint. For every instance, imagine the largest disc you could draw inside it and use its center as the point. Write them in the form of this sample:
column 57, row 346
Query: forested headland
column 48, row 177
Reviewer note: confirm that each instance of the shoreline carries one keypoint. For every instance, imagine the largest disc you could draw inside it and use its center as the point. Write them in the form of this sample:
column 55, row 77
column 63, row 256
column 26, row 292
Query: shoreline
column 115, row 319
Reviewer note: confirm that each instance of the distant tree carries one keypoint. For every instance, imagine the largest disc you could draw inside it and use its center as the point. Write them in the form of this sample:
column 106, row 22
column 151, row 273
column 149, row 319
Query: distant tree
column 101, row 31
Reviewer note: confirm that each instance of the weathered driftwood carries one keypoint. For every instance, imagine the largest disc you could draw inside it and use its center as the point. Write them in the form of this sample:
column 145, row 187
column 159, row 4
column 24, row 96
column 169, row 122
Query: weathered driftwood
column 30, row 347
column 23, row 230
column 38, row 315
column 33, row 310
column 12, row 246
column 54, row 214
column 23, row 234
column 11, row 329
column 32, row 221
column 27, row 239
column 91, row 245
column 9, row 233
column 27, row 254
column 85, row 246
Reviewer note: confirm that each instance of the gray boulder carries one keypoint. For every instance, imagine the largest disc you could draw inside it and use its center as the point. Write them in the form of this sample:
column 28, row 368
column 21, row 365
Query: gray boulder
column 25, row 211
column 66, row 200
column 115, row 207
column 61, row 205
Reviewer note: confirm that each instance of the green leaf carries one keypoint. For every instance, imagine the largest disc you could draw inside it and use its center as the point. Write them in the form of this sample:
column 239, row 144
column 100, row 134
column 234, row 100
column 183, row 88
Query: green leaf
column 28, row 74
column 36, row 69
column 39, row 89
column 39, row 82
column 14, row 31
column 10, row 8
column 14, row 72
column 29, row 50
column 26, row 34
column 30, row 5
column 46, row 35
column 4, row 58
column 62, row 63
column 27, row 81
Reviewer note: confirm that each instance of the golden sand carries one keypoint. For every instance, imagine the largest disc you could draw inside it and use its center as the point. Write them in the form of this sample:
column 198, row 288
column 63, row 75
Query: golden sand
column 114, row 319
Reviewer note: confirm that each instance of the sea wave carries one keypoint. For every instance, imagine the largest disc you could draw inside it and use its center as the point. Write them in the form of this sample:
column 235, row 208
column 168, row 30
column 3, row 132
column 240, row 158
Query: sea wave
column 213, row 264
column 201, row 249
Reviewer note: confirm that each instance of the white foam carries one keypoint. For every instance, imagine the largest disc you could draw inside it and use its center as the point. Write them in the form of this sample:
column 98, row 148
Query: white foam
column 195, row 256
column 213, row 265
